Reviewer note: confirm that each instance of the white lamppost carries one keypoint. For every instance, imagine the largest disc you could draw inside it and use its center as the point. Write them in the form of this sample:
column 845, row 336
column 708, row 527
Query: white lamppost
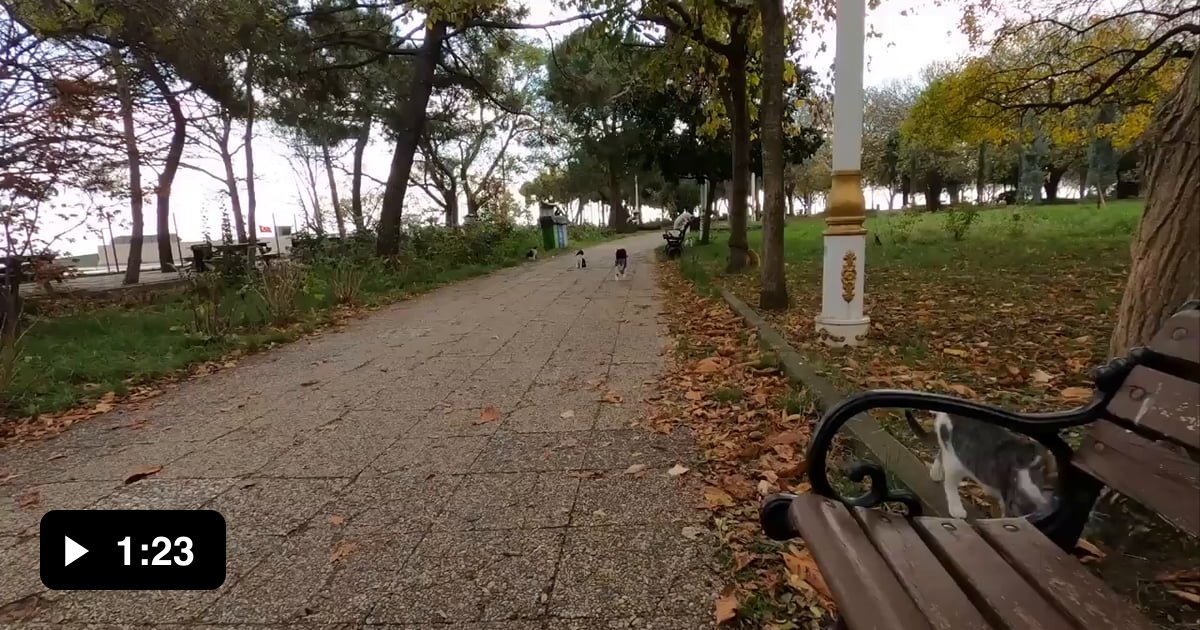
column 842, row 322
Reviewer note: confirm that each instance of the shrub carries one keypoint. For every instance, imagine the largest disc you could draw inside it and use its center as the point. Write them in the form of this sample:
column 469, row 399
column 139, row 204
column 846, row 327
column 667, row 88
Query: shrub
column 279, row 288
column 901, row 226
column 346, row 281
column 209, row 296
column 1016, row 225
column 958, row 220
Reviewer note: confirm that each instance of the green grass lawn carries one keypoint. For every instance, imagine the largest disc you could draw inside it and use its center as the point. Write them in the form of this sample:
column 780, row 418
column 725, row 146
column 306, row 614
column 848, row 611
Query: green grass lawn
column 68, row 359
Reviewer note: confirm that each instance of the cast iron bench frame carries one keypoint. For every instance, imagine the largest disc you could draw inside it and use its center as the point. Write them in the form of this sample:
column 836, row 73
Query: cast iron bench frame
column 1133, row 437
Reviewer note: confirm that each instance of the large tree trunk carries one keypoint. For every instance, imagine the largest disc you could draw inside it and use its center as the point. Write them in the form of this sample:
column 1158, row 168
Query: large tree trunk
column 980, row 173
column 618, row 215
column 166, row 258
column 933, row 190
column 773, row 292
column 1054, row 176
column 231, row 187
column 251, row 198
column 134, row 158
column 333, row 190
column 905, row 190
column 413, row 115
column 707, row 212
column 360, row 147
column 954, row 190
column 739, row 247
column 1165, row 267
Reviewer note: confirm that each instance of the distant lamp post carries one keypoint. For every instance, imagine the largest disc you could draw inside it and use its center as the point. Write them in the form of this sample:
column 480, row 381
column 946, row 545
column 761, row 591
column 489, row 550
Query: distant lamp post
column 842, row 322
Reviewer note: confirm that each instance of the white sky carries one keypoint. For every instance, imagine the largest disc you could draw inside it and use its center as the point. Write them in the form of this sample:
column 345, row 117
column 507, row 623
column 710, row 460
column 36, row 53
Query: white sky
column 908, row 44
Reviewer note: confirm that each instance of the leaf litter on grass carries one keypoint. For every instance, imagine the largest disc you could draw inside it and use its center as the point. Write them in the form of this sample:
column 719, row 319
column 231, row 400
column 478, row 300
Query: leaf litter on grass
column 752, row 446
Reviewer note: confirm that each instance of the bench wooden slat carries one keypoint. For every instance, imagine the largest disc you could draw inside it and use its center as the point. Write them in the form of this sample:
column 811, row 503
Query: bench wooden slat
column 1059, row 577
column 996, row 588
column 1165, row 404
column 944, row 603
column 1158, row 475
column 859, row 578
column 1180, row 336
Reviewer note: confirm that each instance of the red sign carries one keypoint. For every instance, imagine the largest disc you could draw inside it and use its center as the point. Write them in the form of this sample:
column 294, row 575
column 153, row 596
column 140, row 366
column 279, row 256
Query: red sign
column 263, row 228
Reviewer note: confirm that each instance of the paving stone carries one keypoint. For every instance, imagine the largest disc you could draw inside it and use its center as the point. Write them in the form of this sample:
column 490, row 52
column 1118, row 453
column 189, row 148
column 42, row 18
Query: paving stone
column 326, row 456
column 117, row 463
column 631, row 571
column 240, row 453
column 649, row 497
column 509, row 451
column 633, row 623
column 450, row 422
column 316, row 576
column 401, row 504
column 384, row 425
column 510, row 501
column 275, row 506
column 421, row 457
column 452, row 577
column 624, row 448
column 165, row 494
column 19, row 578
column 548, row 419
column 22, row 507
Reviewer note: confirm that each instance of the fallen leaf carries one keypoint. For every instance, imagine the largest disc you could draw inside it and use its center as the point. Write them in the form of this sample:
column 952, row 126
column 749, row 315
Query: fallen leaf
column 726, row 608
column 1182, row 575
column 611, row 397
column 708, row 366
column 337, row 520
column 1187, row 596
column 342, row 550
column 786, row 437
column 1077, row 394
column 1040, row 376
column 567, row 415
column 103, row 407
column 955, row 352
column 29, row 499
column 56, row 456
column 694, row 396
column 963, row 390
column 9, row 477
column 1093, row 553
column 677, row 470
column 488, row 414
column 799, row 562
column 142, row 473
column 21, row 609
column 716, row 497
column 691, row 532
column 635, row 469
column 309, row 383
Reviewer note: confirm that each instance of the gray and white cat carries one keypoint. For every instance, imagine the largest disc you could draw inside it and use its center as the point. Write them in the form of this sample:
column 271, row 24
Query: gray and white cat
column 1008, row 467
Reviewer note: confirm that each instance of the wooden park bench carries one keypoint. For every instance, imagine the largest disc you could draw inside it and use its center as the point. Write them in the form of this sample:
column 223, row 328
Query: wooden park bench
column 897, row 571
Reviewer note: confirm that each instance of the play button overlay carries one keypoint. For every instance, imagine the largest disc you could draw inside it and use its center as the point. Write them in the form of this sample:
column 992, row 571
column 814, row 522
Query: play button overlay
column 117, row 550
column 72, row 552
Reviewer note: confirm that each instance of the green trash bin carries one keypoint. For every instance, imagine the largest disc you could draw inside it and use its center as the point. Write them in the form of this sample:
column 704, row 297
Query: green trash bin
column 547, row 226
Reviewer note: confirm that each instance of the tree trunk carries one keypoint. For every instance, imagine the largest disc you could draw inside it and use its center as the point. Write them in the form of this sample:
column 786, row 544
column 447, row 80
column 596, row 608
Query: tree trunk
column 980, row 172
column 707, row 212
column 1053, row 177
column 1165, row 267
column 933, row 190
column 251, row 198
column 618, row 216
column 789, row 193
column 231, row 187
column 333, row 190
column 451, row 196
column 413, row 115
column 773, row 292
column 133, row 157
column 360, row 147
column 739, row 247
column 166, row 258
column 905, row 190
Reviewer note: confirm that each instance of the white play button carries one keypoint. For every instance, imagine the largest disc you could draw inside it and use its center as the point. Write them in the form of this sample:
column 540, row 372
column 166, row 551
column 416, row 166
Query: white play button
column 73, row 551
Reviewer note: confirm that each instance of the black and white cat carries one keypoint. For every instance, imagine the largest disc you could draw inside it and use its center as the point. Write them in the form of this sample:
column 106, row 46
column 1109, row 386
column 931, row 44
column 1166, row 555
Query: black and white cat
column 1008, row 467
column 531, row 254
column 580, row 261
column 622, row 263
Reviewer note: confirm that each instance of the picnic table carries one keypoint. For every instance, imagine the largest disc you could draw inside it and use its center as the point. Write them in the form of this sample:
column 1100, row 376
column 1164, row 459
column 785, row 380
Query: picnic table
column 206, row 254
column 906, row 571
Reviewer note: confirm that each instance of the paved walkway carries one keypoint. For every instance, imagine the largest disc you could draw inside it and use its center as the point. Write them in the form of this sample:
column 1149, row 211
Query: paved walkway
column 361, row 487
